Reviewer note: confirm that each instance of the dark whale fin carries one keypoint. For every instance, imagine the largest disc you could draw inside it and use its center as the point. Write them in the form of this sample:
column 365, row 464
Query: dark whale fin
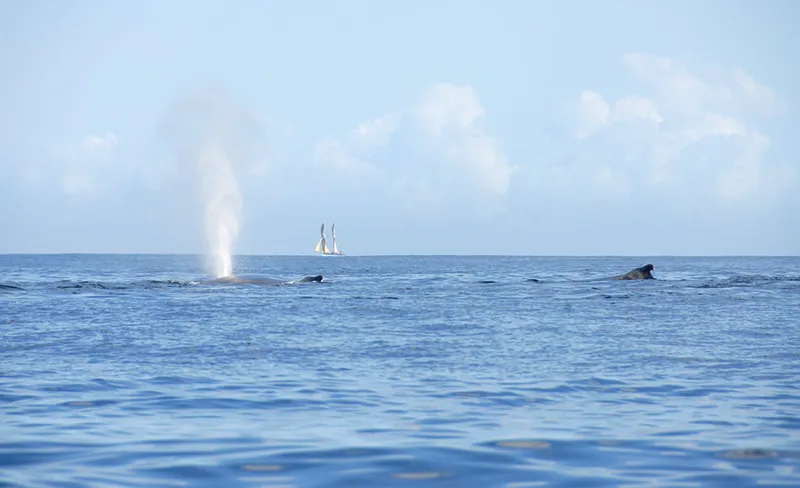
column 642, row 273
column 310, row 279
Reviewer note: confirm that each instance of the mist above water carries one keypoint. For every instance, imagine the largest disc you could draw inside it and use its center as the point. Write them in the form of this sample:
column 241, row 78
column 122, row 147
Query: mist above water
column 214, row 138
column 222, row 208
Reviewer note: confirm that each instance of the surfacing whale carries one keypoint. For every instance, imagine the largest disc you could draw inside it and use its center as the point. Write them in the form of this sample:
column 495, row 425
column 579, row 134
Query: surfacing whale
column 643, row 273
column 245, row 280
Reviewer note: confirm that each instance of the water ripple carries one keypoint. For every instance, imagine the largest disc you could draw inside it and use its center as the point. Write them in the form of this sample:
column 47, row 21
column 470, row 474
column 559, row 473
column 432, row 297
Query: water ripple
column 451, row 371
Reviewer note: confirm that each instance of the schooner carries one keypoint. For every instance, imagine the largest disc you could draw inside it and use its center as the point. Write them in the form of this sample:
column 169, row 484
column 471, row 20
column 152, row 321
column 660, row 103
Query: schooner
column 322, row 246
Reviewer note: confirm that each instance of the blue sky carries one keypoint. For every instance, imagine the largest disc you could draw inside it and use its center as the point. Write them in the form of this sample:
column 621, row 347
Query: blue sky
column 447, row 127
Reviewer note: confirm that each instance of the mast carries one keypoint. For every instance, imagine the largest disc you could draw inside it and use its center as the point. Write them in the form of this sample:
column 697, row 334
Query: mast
column 325, row 248
column 322, row 246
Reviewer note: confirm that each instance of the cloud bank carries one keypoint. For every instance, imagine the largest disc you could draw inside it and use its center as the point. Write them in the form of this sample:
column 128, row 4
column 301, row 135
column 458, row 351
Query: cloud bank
column 434, row 152
column 692, row 137
column 684, row 161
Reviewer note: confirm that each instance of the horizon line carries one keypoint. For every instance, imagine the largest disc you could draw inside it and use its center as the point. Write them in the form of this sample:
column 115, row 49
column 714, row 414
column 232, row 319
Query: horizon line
column 411, row 255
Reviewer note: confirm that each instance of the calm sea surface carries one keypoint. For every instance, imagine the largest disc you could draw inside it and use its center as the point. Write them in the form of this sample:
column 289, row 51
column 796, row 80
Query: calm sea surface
column 413, row 371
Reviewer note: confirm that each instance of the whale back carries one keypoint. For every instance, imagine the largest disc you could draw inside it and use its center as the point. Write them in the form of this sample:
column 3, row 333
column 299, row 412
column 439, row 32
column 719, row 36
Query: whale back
column 641, row 273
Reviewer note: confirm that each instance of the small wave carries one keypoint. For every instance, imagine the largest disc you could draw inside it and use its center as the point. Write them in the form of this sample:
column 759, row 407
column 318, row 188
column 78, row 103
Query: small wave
column 87, row 285
column 158, row 283
column 518, row 444
column 80, row 286
column 609, row 296
column 513, row 461
column 749, row 281
column 749, row 454
column 492, row 282
column 91, row 285
column 495, row 398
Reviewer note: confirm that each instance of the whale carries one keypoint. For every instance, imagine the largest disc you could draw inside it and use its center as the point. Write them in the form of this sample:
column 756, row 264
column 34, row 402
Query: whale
column 643, row 273
column 246, row 280
column 310, row 279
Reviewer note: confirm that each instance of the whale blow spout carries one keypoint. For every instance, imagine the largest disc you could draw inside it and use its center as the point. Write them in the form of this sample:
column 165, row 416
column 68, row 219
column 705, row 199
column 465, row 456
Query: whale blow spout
column 223, row 205
column 214, row 139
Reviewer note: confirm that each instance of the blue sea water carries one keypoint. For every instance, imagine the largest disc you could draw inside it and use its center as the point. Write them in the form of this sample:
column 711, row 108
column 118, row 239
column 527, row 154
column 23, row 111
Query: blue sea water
column 415, row 371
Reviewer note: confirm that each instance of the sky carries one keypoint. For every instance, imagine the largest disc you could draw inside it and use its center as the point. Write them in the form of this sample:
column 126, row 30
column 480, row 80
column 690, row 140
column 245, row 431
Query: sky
column 448, row 127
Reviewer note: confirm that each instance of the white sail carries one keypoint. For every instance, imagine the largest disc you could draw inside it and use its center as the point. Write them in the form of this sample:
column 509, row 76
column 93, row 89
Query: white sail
column 322, row 246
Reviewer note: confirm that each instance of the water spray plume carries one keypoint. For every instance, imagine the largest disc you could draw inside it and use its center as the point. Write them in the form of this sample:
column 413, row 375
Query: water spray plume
column 213, row 136
column 222, row 208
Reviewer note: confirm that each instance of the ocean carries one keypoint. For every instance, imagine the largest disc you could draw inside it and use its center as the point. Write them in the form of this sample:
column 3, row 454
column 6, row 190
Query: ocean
column 484, row 371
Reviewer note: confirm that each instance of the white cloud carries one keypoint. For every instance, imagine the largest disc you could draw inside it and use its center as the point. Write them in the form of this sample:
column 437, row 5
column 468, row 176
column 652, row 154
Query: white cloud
column 350, row 158
column 451, row 116
column 444, row 105
column 344, row 161
column 634, row 108
column 702, row 89
column 82, row 161
column 93, row 144
column 92, row 147
column 375, row 134
column 712, row 124
column 481, row 157
column 593, row 113
column 749, row 177
column 448, row 151
column 648, row 67
column 668, row 78
column 691, row 133
column 761, row 96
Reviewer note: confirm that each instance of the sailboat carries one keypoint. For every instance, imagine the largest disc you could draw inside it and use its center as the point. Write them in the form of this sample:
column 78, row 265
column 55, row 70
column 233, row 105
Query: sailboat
column 322, row 246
